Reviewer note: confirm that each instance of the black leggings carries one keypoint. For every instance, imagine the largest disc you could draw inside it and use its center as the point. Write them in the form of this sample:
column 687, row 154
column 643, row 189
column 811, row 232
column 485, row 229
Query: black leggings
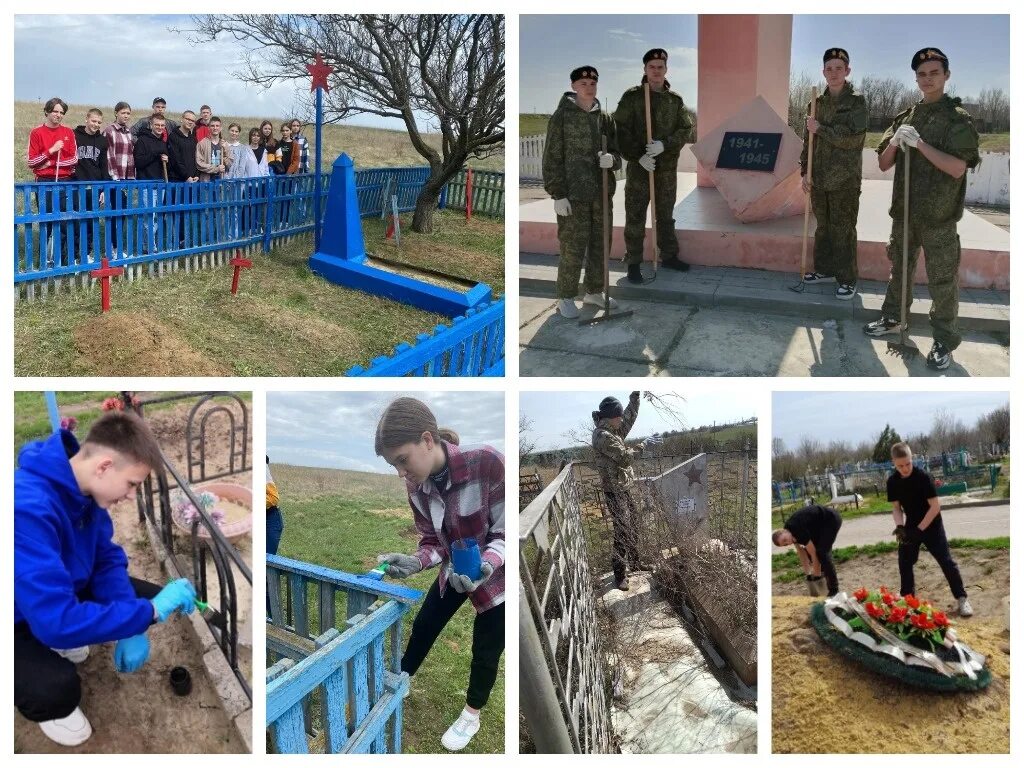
column 823, row 543
column 488, row 640
column 46, row 685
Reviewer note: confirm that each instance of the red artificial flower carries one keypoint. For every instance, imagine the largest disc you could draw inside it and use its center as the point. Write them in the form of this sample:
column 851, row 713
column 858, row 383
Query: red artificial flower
column 861, row 594
column 874, row 610
column 921, row 621
column 897, row 615
column 888, row 598
column 112, row 404
column 884, row 590
column 911, row 601
column 940, row 619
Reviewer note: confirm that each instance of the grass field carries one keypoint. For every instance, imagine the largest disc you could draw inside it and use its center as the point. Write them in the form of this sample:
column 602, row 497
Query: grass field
column 368, row 147
column 284, row 321
column 537, row 124
column 344, row 520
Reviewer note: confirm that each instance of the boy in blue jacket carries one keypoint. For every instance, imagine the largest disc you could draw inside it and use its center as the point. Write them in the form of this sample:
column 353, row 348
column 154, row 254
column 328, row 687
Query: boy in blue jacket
column 71, row 582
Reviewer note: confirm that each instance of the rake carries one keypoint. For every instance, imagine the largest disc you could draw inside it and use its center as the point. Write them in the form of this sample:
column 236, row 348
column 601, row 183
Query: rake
column 799, row 287
column 904, row 348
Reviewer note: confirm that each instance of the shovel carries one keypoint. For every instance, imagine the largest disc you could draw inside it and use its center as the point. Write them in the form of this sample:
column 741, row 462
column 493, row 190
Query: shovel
column 650, row 176
column 605, row 237
column 904, row 348
column 799, row 287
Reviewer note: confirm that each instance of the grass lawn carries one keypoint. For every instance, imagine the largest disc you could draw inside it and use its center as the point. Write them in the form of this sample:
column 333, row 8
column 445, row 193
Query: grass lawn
column 786, row 566
column 32, row 421
column 347, row 531
column 368, row 147
column 284, row 321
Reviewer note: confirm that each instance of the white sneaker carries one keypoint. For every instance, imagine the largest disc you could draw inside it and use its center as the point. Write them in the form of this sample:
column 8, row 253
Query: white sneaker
column 461, row 731
column 567, row 308
column 963, row 607
column 597, row 300
column 74, row 655
column 69, row 731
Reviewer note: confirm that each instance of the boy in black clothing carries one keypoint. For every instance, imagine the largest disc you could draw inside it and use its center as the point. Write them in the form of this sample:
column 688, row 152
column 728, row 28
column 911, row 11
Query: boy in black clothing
column 917, row 514
column 92, row 166
column 813, row 530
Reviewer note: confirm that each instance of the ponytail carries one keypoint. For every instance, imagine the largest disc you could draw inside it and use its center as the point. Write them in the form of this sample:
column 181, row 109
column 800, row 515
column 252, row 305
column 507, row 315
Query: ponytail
column 404, row 421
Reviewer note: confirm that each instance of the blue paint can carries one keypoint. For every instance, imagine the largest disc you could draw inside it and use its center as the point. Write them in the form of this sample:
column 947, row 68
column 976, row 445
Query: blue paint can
column 466, row 558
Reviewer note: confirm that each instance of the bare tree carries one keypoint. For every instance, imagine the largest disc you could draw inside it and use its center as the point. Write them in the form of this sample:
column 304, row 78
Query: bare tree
column 527, row 442
column 778, row 447
column 799, row 97
column 994, row 108
column 995, row 426
column 448, row 68
column 948, row 432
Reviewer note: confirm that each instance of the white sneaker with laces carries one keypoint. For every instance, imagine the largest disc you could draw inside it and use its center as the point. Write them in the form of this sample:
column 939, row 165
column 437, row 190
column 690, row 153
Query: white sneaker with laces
column 567, row 308
column 69, row 731
column 461, row 731
column 963, row 606
column 74, row 655
column 597, row 300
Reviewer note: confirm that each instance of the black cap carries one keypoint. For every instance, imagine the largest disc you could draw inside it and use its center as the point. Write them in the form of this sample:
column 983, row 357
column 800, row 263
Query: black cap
column 585, row 71
column 609, row 408
column 656, row 54
column 159, row 100
column 928, row 54
column 835, row 53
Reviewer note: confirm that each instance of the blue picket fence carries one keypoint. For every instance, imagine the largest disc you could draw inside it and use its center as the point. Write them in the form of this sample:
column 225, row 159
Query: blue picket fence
column 473, row 345
column 62, row 230
column 334, row 686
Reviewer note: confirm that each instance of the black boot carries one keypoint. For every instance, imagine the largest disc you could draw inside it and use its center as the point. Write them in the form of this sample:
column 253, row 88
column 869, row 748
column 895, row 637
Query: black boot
column 633, row 274
column 673, row 262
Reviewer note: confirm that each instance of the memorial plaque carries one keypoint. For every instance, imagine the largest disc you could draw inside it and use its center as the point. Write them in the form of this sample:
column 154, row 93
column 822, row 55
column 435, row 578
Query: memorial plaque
column 743, row 151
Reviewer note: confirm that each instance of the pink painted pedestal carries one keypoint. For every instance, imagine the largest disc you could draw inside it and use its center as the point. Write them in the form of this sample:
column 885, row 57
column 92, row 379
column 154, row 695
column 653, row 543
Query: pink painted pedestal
column 710, row 235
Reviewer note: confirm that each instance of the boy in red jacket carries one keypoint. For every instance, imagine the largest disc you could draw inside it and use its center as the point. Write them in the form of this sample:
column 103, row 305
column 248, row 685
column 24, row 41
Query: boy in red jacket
column 52, row 157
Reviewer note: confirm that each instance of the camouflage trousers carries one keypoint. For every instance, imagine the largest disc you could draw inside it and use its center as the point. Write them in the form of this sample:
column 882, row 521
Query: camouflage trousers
column 638, row 195
column 835, row 239
column 625, row 549
column 579, row 243
column 941, row 245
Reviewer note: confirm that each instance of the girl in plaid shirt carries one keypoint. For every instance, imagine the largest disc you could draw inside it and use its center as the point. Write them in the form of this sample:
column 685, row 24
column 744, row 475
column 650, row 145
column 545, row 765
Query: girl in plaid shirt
column 455, row 494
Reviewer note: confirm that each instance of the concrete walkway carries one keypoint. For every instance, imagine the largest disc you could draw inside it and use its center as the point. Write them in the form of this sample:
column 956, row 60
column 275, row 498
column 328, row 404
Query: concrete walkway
column 740, row 322
column 973, row 522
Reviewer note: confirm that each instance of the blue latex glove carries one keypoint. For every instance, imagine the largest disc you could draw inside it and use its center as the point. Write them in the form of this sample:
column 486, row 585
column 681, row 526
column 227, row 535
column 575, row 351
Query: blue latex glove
column 178, row 595
column 131, row 653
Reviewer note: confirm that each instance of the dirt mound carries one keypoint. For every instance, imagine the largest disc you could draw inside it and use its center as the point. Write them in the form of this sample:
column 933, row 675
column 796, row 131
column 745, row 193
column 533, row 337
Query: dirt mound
column 822, row 702
column 130, row 344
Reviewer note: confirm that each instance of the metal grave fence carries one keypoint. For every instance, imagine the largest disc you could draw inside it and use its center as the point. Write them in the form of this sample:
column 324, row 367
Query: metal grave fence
column 564, row 684
column 334, row 686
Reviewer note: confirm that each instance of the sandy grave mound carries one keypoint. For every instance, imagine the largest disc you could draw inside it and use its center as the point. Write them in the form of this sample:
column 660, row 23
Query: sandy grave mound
column 130, row 344
column 822, row 702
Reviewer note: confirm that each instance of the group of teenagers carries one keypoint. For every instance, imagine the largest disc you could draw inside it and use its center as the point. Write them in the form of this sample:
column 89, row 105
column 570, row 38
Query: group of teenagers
column 917, row 514
column 73, row 590
column 936, row 135
column 156, row 147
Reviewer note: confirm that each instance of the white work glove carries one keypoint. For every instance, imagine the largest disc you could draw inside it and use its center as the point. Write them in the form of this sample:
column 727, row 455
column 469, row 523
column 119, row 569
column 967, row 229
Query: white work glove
column 647, row 163
column 462, row 583
column 400, row 566
column 655, row 148
column 562, row 207
column 906, row 136
column 605, row 159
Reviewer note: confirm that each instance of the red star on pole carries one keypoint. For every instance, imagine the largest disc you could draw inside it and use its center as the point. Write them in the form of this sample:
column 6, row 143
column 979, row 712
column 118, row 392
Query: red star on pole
column 319, row 71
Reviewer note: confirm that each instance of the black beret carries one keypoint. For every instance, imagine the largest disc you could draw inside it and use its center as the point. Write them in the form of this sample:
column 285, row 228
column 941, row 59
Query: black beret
column 928, row 54
column 580, row 72
column 610, row 408
column 835, row 53
column 656, row 53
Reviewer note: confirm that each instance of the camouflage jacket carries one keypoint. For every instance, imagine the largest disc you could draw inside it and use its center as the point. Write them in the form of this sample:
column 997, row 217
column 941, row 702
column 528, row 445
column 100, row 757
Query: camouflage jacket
column 670, row 124
column 935, row 197
column 838, row 143
column 614, row 459
column 570, row 151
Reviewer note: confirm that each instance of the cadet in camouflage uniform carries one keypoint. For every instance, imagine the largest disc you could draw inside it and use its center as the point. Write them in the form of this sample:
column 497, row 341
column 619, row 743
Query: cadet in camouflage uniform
column 839, row 127
column 614, row 461
column 946, row 144
column 671, row 129
column 573, row 163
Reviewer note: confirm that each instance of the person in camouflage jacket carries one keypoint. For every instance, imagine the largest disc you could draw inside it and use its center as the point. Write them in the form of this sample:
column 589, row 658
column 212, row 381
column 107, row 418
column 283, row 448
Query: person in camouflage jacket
column 943, row 145
column 614, row 461
column 572, row 167
column 839, row 127
column 671, row 130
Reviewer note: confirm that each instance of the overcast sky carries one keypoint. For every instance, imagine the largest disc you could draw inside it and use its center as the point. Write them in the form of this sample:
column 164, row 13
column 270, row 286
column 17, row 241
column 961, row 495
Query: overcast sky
column 336, row 430
column 105, row 59
column 552, row 414
column 857, row 416
column 552, row 46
